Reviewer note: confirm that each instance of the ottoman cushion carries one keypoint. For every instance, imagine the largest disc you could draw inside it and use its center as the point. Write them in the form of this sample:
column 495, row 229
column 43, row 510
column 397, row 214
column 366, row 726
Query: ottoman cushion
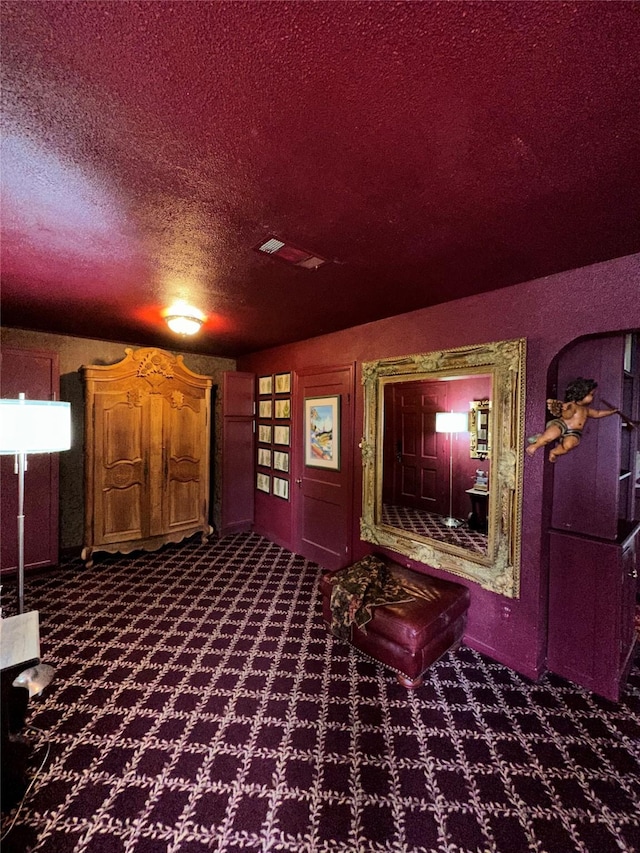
column 410, row 636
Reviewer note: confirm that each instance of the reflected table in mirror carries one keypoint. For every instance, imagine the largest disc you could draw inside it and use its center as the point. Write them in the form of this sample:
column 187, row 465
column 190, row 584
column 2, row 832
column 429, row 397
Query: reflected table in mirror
column 479, row 515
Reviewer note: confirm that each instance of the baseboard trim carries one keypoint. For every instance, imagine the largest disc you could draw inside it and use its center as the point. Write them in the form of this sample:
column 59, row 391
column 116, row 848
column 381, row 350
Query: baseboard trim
column 535, row 673
column 70, row 553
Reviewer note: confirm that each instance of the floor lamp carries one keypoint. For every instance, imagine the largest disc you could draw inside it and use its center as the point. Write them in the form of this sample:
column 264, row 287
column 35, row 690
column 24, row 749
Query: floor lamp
column 31, row 426
column 451, row 422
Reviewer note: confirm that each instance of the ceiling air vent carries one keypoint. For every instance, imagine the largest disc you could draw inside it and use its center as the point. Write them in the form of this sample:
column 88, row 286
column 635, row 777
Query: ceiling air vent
column 290, row 254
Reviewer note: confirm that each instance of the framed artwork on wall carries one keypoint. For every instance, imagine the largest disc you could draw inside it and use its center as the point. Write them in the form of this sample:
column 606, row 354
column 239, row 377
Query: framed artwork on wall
column 281, row 460
column 265, row 385
column 283, row 408
column 264, row 457
column 263, row 483
column 265, row 409
column 264, row 433
column 322, row 432
column 281, row 488
column 283, row 383
column 281, row 435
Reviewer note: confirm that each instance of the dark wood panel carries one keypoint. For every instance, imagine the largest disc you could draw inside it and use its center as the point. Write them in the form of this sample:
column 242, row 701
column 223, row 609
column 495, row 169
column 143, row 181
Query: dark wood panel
column 238, row 441
column 322, row 499
column 36, row 374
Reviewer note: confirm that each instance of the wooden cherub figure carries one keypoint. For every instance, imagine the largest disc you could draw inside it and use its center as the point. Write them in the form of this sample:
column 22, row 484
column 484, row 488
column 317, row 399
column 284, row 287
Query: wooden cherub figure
column 569, row 419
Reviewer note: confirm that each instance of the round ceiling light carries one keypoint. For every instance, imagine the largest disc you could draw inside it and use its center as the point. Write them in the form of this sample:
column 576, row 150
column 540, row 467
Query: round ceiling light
column 183, row 319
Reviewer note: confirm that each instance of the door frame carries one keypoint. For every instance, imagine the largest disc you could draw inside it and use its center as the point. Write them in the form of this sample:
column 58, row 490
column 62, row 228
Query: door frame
column 347, row 443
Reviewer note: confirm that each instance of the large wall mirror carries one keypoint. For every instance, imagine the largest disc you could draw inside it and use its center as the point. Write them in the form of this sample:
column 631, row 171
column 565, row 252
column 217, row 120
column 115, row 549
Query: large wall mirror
column 427, row 491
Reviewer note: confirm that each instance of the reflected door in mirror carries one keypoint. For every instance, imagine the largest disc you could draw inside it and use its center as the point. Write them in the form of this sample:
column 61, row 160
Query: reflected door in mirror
column 414, row 474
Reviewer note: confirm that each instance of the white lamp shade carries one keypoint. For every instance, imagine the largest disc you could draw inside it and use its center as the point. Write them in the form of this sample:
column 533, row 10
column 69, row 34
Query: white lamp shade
column 452, row 422
column 34, row 426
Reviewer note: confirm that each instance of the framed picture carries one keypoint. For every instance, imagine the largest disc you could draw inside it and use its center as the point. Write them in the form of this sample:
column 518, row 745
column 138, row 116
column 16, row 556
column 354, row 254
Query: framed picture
column 263, row 483
column 265, row 409
column 283, row 383
column 281, row 488
column 264, row 433
column 281, row 460
column 264, row 457
column 283, row 408
column 265, row 385
column 322, row 432
column 281, row 435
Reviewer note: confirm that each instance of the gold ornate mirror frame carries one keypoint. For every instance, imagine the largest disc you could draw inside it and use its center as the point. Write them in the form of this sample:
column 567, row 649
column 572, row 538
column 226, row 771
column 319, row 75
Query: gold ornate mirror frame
column 499, row 569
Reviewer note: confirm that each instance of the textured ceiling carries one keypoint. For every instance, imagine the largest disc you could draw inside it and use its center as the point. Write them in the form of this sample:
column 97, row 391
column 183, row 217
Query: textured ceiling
column 428, row 150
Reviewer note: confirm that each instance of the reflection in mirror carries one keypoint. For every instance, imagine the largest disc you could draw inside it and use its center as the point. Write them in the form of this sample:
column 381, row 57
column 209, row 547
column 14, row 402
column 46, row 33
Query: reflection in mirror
column 429, row 480
column 479, row 432
column 449, row 499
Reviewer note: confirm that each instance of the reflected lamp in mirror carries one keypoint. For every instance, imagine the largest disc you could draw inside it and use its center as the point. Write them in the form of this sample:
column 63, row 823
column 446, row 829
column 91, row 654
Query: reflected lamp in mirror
column 479, row 429
column 451, row 423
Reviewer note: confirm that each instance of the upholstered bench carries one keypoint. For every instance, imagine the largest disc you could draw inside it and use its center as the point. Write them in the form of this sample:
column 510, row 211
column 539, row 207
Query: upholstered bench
column 409, row 636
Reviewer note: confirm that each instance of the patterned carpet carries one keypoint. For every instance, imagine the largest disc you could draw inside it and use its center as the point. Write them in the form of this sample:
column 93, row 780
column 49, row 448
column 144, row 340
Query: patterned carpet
column 199, row 704
column 432, row 525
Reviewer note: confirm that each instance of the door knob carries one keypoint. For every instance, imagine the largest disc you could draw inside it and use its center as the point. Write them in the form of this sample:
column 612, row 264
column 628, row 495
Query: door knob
column 299, row 481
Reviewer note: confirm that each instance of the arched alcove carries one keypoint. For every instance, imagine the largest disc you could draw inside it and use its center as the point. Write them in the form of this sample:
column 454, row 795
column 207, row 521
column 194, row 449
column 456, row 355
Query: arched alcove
column 592, row 514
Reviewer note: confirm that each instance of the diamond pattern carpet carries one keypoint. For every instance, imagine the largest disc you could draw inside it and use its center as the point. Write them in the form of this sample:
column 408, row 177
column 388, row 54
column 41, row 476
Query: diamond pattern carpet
column 200, row 704
column 432, row 525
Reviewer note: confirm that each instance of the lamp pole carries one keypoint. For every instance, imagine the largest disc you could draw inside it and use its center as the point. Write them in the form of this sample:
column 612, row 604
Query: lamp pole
column 21, row 467
column 451, row 521
column 450, row 423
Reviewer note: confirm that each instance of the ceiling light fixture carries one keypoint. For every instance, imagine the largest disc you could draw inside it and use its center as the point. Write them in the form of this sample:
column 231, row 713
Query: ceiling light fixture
column 184, row 319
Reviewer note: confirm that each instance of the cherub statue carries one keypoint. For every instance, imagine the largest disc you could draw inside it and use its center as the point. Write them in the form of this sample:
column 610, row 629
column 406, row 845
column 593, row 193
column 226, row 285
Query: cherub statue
column 569, row 419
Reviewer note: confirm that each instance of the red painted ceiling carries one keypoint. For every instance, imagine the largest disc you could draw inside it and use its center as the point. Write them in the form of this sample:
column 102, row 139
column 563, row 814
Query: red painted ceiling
column 428, row 150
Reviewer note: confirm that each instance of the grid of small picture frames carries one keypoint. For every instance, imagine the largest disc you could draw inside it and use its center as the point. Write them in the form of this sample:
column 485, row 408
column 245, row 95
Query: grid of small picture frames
column 274, row 434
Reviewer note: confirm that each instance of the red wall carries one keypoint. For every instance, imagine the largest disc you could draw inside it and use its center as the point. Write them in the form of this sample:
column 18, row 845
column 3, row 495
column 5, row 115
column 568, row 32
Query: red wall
column 550, row 313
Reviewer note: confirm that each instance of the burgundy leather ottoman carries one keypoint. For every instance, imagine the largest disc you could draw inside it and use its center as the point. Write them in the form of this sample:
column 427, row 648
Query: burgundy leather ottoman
column 410, row 636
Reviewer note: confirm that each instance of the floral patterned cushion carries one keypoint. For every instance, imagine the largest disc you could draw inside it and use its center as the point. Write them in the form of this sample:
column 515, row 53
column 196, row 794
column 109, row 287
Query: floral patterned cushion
column 358, row 589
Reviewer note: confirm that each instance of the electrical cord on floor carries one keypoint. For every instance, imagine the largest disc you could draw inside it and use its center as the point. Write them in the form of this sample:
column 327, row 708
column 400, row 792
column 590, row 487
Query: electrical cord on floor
column 31, row 783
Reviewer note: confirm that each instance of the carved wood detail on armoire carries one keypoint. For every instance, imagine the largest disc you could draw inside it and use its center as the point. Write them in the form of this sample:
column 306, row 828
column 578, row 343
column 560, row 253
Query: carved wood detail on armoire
column 595, row 524
column 147, row 440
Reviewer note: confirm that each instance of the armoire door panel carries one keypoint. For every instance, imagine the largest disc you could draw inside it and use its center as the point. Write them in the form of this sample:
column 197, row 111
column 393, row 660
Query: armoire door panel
column 121, row 513
column 185, row 430
column 185, row 424
column 157, row 469
column 119, row 435
column 184, row 505
column 121, row 426
column 121, row 464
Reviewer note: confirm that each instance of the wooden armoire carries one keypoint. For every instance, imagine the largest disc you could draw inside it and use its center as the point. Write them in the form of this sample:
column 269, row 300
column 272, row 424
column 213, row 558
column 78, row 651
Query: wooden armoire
column 147, row 439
